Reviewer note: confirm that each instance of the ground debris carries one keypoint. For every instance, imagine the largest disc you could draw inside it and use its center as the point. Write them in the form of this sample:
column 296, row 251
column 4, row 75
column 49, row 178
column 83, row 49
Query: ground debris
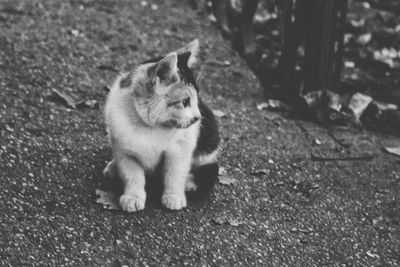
column 107, row 199
column 105, row 67
column 223, row 220
column 316, row 157
column 69, row 102
column 304, row 187
column 259, row 172
column 358, row 103
column 273, row 104
column 223, row 179
column 393, row 150
column 219, row 113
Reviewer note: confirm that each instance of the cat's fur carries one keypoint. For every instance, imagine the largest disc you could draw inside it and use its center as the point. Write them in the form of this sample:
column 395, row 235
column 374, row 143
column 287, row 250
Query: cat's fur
column 154, row 116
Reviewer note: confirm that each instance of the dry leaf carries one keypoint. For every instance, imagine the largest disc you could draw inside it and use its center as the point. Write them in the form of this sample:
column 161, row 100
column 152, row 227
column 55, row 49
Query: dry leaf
column 219, row 113
column 349, row 64
column 364, row 38
column 88, row 103
column 373, row 255
column 222, row 179
column 393, row 150
column 387, row 55
column 357, row 23
column 262, row 106
column 74, row 32
column 105, row 67
column 385, row 106
column 234, row 222
column 358, row 103
column 69, row 102
column 272, row 104
column 224, row 220
column 219, row 220
column 212, row 18
column 107, row 199
column 259, row 172
column 64, row 99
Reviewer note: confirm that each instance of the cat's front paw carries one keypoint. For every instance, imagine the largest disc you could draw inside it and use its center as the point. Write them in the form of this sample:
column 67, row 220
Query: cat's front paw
column 174, row 201
column 131, row 203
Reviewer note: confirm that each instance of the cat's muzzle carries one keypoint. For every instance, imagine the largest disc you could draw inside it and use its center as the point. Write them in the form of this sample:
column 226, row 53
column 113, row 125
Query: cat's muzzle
column 187, row 125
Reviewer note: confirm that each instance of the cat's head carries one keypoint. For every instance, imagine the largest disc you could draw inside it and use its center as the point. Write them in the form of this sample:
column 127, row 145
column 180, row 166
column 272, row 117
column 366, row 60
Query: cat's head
column 165, row 91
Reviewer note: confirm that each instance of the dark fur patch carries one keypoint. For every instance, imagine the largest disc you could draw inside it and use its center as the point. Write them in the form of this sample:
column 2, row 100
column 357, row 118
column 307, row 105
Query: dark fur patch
column 126, row 81
column 185, row 73
column 209, row 136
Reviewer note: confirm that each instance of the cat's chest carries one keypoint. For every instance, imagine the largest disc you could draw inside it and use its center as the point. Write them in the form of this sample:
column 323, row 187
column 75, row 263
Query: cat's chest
column 149, row 145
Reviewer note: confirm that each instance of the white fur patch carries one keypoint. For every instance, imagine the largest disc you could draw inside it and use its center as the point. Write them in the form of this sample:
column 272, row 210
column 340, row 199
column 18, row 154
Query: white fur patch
column 205, row 159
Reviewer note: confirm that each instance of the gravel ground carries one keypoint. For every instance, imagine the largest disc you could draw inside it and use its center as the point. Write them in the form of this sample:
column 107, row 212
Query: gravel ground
column 295, row 212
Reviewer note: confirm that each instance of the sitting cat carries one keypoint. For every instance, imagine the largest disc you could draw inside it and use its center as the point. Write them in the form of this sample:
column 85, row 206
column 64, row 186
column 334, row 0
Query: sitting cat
column 155, row 116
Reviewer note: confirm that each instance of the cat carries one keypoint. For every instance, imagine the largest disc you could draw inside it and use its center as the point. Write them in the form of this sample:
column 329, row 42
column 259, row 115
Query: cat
column 154, row 116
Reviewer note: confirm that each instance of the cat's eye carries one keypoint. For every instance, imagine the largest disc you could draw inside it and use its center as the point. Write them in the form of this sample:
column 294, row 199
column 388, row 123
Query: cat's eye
column 186, row 102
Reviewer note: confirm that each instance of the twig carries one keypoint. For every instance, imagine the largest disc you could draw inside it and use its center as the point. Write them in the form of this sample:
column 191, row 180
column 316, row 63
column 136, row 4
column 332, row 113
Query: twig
column 349, row 158
column 337, row 140
column 109, row 68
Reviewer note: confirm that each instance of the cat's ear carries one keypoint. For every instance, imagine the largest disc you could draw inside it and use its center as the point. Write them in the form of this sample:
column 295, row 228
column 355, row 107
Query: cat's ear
column 189, row 53
column 166, row 70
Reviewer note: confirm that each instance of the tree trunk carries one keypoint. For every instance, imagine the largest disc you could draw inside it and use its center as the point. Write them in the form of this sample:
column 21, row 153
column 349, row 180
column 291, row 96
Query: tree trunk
column 315, row 27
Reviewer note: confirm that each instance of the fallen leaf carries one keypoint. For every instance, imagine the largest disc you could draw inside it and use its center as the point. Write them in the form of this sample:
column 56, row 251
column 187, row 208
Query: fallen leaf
column 393, row 150
column 107, row 199
column 74, row 32
column 222, row 179
column 212, row 18
column 219, row 220
column 69, row 102
column 385, row 106
column 349, row 64
column 364, row 38
column 219, row 113
column 358, row 103
column 387, row 55
column 63, row 99
column 224, row 220
column 88, row 103
column 262, row 106
column 317, row 141
column 221, row 170
column 357, row 23
column 234, row 222
column 273, row 104
column 105, row 67
column 259, row 172
column 372, row 255
column 263, row 16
